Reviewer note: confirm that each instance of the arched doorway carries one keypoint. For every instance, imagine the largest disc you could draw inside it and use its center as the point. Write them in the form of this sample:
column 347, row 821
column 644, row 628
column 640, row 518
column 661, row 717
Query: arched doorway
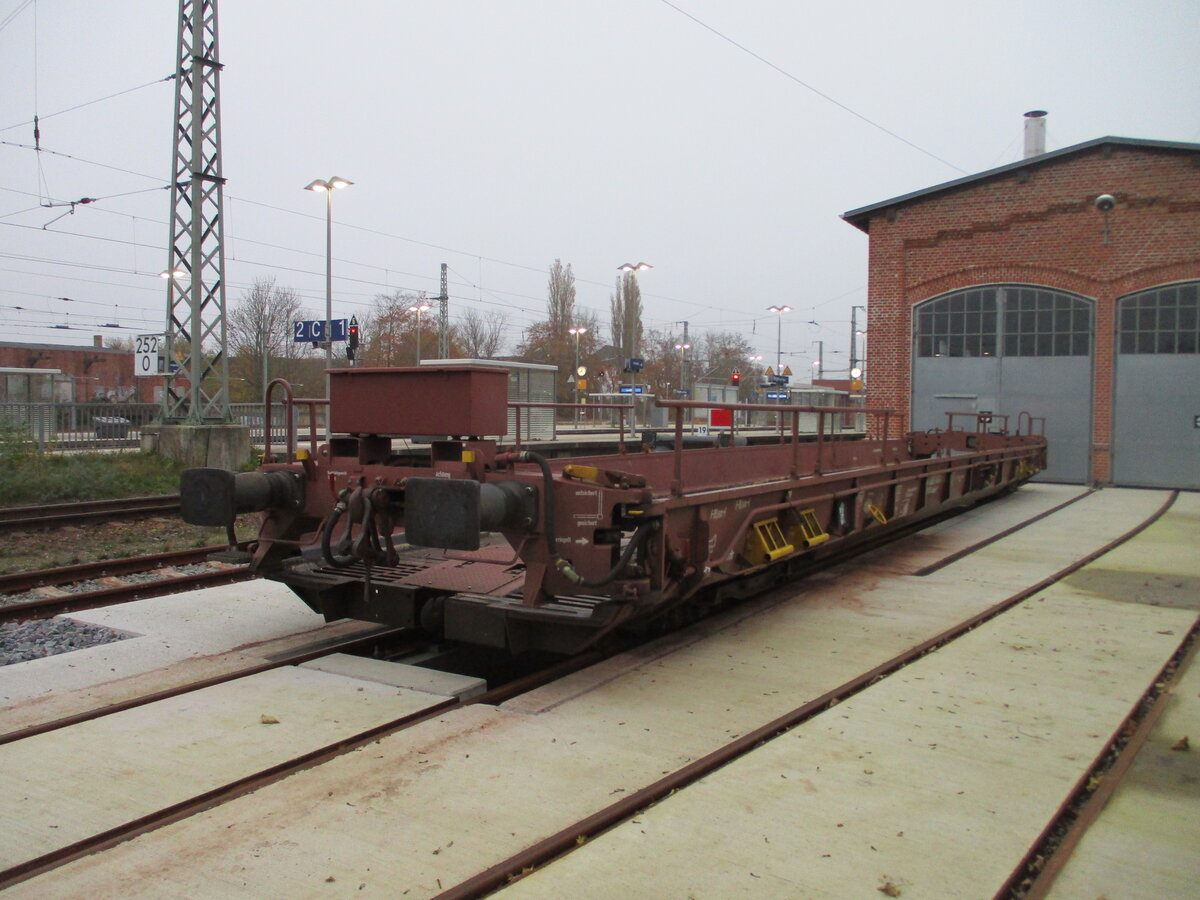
column 1008, row 348
column 1156, row 396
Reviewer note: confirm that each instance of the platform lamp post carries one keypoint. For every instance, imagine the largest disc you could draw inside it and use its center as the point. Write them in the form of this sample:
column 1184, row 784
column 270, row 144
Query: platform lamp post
column 633, row 269
column 327, row 188
column 858, row 363
column 683, row 379
column 418, row 309
column 854, row 332
column 755, row 362
column 779, row 311
column 577, row 373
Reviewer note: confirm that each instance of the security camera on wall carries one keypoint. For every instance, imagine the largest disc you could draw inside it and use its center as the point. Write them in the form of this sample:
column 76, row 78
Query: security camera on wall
column 1105, row 202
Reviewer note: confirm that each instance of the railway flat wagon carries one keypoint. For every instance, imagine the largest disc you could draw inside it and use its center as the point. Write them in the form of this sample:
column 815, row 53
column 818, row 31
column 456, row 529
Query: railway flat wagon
column 498, row 545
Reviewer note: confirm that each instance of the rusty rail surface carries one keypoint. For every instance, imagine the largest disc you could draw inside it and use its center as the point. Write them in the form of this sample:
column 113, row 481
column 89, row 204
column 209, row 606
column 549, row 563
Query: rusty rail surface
column 577, row 834
column 55, row 514
column 47, row 607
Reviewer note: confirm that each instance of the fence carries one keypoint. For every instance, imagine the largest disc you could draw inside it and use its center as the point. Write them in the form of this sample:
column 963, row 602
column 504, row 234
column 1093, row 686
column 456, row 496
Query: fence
column 79, row 426
column 118, row 426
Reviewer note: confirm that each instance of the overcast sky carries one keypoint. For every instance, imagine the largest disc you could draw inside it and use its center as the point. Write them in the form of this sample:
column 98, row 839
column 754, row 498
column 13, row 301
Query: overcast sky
column 499, row 135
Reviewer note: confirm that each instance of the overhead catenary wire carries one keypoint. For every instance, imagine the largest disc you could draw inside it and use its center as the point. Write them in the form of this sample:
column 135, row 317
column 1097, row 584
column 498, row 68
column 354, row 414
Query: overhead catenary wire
column 390, row 235
column 86, row 103
column 13, row 15
column 530, row 313
column 804, row 84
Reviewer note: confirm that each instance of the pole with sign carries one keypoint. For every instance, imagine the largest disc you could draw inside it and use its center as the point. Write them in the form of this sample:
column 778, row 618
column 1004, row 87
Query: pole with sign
column 148, row 355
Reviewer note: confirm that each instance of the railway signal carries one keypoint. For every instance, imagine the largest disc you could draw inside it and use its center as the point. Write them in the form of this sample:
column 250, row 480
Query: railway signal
column 735, row 377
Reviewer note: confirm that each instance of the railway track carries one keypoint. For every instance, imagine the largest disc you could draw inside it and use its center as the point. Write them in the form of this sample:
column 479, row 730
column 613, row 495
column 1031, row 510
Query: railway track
column 113, row 590
column 570, row 835
column 391, row 638
column 1130, row 737
column 56, row 514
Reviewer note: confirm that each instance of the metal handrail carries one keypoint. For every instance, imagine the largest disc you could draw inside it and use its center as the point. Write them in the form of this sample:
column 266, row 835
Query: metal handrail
column 982, row 420
column 1029, row 420
column 821, row 411
column 517, row 405
column 289, row 402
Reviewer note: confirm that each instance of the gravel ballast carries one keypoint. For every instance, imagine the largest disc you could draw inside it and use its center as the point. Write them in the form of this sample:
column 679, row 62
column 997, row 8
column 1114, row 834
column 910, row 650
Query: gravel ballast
column 23, row 641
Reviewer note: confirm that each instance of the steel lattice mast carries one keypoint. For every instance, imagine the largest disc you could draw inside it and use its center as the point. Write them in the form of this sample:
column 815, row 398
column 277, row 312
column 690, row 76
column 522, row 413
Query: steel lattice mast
column 444, row 319
column 197, row 392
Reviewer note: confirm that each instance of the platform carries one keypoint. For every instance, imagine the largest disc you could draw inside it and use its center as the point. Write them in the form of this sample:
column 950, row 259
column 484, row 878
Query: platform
column 934, row 780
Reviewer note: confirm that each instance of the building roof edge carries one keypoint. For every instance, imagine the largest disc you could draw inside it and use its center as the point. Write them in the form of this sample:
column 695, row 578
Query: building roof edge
column 860, row 218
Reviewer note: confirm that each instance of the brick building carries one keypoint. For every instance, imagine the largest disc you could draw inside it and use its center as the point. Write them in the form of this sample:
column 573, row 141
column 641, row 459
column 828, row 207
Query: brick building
column 95, row 373
column 1066, row 285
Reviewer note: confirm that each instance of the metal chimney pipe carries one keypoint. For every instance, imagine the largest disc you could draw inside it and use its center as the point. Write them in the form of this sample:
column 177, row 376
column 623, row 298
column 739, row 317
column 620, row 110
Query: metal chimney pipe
column 1035, row 133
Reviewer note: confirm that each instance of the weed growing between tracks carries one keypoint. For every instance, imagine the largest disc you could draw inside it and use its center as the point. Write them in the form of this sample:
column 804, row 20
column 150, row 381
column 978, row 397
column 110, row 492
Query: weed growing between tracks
column 29, row 477
column 73, row 544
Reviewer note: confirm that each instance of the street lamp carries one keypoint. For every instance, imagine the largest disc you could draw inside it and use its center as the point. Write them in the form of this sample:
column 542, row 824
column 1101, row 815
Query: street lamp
column 327, row 188
column 683, row 349
column 858, row 361
column 633, row 269
column 418, row 309
column 578, row 373
column 779, row 311
column 854, row 332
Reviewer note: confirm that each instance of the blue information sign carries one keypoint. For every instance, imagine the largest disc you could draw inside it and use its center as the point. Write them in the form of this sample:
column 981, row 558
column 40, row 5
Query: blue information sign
column 314, row 330
column 776, row 395
column 777, row 379
column 632, row 388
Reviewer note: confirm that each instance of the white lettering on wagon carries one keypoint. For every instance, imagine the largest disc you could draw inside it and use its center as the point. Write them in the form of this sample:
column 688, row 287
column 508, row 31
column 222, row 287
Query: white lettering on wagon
column 587, row 517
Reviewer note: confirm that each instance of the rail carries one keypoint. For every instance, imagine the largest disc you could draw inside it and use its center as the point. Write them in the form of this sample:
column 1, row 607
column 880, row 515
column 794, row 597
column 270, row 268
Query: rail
column 289, row 402
column 623, row 410
column 517, row 405
column 50, row 515
column 984, row 421
column 679, row 406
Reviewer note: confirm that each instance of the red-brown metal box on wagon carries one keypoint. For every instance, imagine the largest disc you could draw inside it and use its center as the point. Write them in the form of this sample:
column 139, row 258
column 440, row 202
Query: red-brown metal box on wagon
column 433, row 400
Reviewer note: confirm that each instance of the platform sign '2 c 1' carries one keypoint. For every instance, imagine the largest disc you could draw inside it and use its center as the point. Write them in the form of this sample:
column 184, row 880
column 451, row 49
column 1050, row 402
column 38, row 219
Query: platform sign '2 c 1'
column 315, row 330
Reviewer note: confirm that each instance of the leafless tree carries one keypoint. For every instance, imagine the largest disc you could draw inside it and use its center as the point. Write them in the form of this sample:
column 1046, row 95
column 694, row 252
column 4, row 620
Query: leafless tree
column 390, row 332
column 480, row 335
column 260, row 334
column 625, row 308
column 616, row 318
column 560, row 299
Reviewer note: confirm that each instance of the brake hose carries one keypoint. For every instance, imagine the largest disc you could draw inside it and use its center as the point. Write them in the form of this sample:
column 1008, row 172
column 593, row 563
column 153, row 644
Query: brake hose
column 568, row 570
column 563, row 566
column 339, row 509
column 547, row 500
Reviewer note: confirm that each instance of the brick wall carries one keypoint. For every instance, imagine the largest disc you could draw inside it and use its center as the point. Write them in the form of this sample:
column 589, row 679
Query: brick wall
column 1037, row 224
column 98, row 373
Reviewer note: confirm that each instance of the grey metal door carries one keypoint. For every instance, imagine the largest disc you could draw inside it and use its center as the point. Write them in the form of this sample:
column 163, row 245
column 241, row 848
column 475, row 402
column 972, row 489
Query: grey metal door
column 1156, row 400
column 1009, row 349
column 1057, row 389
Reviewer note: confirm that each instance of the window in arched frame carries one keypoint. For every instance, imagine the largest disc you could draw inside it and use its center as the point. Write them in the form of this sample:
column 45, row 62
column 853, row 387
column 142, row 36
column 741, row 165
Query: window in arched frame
column 958, row 324
column 1160, row 320
column 1015, row 320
